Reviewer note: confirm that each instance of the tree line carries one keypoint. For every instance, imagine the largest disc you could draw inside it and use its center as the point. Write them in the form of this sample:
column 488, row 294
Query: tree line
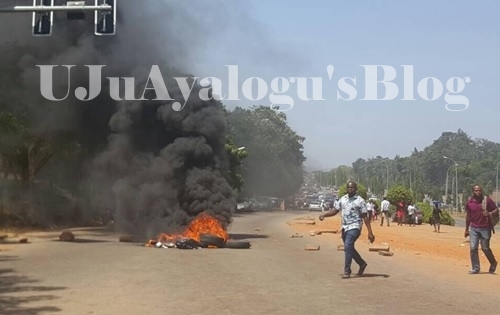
column 431, row 172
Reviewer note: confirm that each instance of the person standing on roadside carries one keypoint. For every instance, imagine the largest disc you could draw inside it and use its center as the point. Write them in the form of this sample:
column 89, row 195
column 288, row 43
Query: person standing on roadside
column 400, row 212
column 478, row 227
column 384, row 205
column 437, row 214
column 411, row 214
column 370, row 208
column 353, row 212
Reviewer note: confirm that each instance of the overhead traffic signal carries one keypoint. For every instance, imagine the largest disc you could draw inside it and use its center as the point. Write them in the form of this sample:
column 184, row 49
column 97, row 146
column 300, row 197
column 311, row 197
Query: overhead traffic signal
column 43, row 21
column 105, row 21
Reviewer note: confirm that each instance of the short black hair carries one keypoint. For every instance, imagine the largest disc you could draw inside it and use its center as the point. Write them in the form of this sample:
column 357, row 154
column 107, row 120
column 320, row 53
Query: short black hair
column 352, row 182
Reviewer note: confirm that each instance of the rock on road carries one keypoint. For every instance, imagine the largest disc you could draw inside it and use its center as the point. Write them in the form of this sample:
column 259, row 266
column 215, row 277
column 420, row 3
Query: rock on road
column 99, row 275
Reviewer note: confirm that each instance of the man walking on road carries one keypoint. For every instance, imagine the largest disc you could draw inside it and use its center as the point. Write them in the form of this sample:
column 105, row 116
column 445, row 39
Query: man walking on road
column 353, row 211
column 384, row 205
column 478, row 227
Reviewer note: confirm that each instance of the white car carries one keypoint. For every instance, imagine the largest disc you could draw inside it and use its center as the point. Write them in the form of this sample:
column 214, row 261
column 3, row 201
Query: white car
column 315, row 206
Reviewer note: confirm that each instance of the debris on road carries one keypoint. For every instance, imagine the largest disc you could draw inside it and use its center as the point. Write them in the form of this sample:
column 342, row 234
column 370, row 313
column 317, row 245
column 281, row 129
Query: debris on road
column 297, row 235
column 382, row 247
column 326, row 231
column 384, row 253
column 303, row 220
column 312, row 247
column 67, row 236
column 257, row 229
column 308, row 222
column 2, row 237
column 23, row 240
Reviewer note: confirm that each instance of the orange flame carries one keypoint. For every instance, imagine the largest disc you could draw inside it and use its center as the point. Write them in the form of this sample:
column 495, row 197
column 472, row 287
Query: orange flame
column 202, row 224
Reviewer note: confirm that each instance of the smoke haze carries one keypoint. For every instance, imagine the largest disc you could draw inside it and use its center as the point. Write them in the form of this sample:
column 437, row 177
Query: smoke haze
column 154, row 167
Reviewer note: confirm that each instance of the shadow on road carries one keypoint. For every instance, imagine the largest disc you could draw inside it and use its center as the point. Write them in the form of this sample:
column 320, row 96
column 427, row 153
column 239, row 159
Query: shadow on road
column 370, row 275
column 83, row 241
column 235, row 236
column 18, row 292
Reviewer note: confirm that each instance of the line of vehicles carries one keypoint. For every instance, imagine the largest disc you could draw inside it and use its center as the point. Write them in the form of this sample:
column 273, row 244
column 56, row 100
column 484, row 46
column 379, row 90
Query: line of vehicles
column 258, row 204
column 319, row 202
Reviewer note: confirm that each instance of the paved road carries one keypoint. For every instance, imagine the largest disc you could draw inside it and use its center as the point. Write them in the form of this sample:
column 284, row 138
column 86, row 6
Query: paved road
column 460, row 222
column 275, row 276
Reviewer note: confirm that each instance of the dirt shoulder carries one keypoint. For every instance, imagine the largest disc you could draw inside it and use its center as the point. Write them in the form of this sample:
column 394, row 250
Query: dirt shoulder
column 444, row 254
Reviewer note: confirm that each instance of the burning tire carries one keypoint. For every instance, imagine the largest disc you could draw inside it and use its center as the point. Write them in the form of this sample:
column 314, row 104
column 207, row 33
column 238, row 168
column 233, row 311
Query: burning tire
column 238, row 244
column 209, row 240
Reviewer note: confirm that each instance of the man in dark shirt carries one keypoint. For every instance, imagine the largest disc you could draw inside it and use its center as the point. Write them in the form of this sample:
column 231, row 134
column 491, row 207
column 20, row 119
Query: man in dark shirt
column 478, row 227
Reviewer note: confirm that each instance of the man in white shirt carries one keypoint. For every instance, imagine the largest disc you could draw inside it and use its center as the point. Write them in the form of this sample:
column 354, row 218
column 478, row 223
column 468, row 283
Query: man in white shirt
column 353, row 211
column 370, row 208
column 384, row 209
column 411, row 214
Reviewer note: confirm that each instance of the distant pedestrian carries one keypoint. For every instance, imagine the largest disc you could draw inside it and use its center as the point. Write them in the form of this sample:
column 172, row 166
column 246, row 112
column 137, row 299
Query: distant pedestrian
column 353, row 212
column 411, row 214
column 437, row 214
column 375, row 211
column 370, row 208
column 384, row 205
column 478, row 226
column 400, row 212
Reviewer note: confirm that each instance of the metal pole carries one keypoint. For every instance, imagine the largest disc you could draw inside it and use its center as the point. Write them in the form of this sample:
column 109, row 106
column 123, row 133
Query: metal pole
column 65, row 8
column 410, row 182
column 387, row 185
column 496, row 189
column 456, row 180
column 446, row 188
column 387, row 179
column 456, row 186
column 446, row 185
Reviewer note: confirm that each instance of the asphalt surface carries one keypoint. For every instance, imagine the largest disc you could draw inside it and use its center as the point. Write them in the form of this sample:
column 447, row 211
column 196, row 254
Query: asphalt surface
column 99, row 275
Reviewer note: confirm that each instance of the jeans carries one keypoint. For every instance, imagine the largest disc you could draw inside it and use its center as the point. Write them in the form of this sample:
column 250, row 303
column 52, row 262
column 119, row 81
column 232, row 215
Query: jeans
column 349, row 238
column 483, row 234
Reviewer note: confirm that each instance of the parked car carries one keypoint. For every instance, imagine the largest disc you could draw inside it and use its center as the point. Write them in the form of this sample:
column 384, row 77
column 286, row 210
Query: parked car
column 314, row 206
column 418, row 217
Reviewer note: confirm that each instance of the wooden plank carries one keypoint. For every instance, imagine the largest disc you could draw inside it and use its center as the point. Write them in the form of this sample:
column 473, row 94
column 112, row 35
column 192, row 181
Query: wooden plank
column 381, row 247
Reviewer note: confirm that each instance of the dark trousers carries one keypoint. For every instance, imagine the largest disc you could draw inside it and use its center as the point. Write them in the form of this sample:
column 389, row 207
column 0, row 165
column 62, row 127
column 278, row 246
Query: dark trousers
column 349, row 238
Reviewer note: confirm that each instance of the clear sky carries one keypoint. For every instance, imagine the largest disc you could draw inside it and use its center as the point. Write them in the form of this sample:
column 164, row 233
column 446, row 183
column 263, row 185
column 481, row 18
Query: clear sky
column 441, row 39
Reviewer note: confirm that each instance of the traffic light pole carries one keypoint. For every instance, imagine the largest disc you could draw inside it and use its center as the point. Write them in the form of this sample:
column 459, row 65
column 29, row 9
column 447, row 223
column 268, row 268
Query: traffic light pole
column 43, row 15
column 63, row 8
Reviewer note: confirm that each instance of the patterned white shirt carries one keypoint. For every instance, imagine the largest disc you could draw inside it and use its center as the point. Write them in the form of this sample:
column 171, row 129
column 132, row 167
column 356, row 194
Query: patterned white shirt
column 351, row 210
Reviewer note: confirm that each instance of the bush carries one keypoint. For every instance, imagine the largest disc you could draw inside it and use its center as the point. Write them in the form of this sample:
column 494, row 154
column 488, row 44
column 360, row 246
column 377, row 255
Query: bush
column 426, row 209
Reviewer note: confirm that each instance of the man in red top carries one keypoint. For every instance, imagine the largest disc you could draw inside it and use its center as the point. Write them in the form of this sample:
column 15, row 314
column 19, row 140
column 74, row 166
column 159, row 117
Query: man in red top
column 478, row 226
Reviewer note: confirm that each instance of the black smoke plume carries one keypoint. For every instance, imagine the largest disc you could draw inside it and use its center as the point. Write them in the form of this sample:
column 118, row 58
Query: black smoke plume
column 153, row 167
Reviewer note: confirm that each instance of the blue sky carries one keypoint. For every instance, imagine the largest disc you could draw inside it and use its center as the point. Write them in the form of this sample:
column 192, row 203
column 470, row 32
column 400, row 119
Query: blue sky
column 441, row 39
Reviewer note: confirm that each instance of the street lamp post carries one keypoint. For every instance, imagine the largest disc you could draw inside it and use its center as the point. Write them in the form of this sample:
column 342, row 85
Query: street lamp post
column 387, row 179
column 456, row 180
column 446, row 185
column 496, row 188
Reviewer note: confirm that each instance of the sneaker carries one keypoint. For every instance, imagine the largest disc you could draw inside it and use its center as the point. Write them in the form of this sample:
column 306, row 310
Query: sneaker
column 493, row 267
column 473, row 272
column 346, row 276
column 362, row 269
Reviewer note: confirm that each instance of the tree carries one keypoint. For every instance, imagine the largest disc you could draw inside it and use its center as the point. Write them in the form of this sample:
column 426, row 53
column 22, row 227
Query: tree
column 274, row 166
column 399, row 192
column 236, row 156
